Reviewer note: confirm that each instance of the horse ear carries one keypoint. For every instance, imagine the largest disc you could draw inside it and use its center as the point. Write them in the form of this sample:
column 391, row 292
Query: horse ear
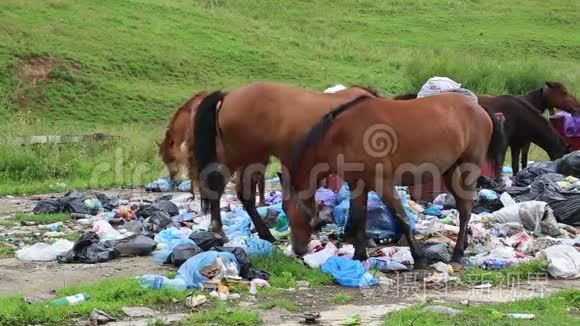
column 549, row 84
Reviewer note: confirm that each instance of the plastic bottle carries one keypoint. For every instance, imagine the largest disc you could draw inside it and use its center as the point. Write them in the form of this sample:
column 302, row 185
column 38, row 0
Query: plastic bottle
column 522, row 316
column 162, row 282
column 70, row 300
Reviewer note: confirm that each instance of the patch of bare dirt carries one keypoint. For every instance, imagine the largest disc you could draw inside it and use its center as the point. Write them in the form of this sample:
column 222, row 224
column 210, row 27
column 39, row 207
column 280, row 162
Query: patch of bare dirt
column 30, row 72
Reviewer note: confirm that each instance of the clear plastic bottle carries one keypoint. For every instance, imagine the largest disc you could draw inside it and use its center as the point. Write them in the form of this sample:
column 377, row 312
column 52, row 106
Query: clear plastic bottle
column 162, row 282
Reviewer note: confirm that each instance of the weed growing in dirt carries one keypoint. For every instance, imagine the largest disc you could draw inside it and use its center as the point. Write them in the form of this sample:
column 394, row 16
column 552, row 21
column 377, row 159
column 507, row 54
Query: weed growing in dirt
column 42, row 218
column 527, row 270
column 280, row 303
column 559, row 309
column 7, row 250
column 342, row 298
column 108, row 295
column 223, row 316
column 285, row 271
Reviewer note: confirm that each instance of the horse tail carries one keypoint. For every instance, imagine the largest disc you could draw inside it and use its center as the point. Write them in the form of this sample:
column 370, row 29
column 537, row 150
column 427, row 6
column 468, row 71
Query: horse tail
column 497, row 145
column 205, row 146
column 318, row 131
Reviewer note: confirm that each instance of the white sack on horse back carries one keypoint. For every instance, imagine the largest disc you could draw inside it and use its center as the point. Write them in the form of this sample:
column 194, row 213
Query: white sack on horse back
column 335, row 88
column 438, row 85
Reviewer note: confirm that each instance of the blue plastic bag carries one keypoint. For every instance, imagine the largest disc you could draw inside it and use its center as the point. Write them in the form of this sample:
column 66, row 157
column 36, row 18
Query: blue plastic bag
column 184, row 186
column 169, row 234
column 190, row 270
column 258, row 247
column 348, row 272
column 281, row 221
column 236, row 223
column 160, row 185
column 161, row 256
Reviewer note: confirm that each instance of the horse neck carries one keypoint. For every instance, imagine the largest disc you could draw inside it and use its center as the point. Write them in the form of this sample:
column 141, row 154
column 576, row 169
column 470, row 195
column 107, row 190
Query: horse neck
column 536, row 99
column 548, row 139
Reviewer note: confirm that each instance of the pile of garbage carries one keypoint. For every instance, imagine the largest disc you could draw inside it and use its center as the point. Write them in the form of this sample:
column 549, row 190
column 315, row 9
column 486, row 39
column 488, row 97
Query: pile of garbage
column 514, row 220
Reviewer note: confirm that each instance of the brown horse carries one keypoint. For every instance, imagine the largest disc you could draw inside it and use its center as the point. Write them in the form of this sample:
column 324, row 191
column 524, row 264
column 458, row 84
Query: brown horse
column 553, row 95
column 174, row 150
column 240, row 131
column 377, row 144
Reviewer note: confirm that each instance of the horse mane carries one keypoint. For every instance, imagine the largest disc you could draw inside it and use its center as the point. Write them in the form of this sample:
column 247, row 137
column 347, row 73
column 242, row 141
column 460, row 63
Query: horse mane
column 407, row 96
column 373, row 91
column 185, row 107
column 318, row 131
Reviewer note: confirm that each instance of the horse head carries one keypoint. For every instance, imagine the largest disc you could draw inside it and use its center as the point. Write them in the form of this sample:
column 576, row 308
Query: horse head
column 557, row 96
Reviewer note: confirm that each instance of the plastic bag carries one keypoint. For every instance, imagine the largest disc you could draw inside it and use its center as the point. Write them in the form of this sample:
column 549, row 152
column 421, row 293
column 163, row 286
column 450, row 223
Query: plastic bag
column 89, row 250
column 273, row 197
column 182, row 252
column 138, row 245
column 437, row 252
column 348, row 272
column 526, row 176
column 315, row 260
column 48, row 206
column 206, row 240
column 236, row 223
column 326, row 196
column 563, row 261
column 163, row 256
column 158, row 221
column 44, row 252
column 160, row 205
column 535, row 216
column 105, row 231
column 570, row 164
column 160, row 185
column 195, row 270
column 184, row 186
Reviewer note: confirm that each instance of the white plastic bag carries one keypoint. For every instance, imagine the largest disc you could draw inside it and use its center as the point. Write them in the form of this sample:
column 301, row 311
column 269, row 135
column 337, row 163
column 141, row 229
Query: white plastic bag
column 316, row 259
column 105, row 231
column 335, row 88
column 507, row 200
column 563, row 261
column 44, row 252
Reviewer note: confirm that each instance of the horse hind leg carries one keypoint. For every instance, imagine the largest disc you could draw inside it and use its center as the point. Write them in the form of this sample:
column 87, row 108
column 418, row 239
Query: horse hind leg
column 515, row 149
column 461, row 182
column 357, row 225
column 246, row 190
column 261, row 180
column 390, row 196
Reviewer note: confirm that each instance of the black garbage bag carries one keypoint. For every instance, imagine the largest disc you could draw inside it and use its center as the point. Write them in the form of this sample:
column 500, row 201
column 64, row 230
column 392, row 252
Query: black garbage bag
column 487, row 205
column 246, row 270
column 89, row 250
column 435, row 252
column 570, row 164
column 134, row 226
column 158, row 221
column 526, row 176
column 206, row 240
column 137, row 245
column 163, row 198
column 567, row 211
column 484, row 182
column 183, row 252
column 163, row 205
column 109, row 202
column 48, row 206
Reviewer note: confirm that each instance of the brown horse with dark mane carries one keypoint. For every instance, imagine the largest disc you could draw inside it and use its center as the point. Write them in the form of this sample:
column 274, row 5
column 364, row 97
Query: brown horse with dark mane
column 377, row 144
column 240, row 130
column 174, row 149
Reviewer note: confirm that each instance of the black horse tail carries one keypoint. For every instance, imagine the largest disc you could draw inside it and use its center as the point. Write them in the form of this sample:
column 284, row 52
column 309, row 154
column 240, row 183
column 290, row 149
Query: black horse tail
column 318, row 131
column 498, row 144
column 205, row 133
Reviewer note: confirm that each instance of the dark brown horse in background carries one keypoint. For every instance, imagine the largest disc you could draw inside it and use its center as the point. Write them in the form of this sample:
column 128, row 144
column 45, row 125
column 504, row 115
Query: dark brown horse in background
column 242, row 129
column 524, row 126
column 393, row 143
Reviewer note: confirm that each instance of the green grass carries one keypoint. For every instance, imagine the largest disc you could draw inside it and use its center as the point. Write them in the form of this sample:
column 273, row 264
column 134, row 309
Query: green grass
column 506, row 276
column 7, row 250
column 280, row 303
column 108, row 295
column 42, row 218
column 560, row 309
column 285, row 271
column 223, row 316
column 122, row 66
column 342, row 298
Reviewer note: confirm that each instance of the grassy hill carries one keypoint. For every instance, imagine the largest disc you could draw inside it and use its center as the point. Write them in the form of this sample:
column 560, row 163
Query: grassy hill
column 122, row 66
